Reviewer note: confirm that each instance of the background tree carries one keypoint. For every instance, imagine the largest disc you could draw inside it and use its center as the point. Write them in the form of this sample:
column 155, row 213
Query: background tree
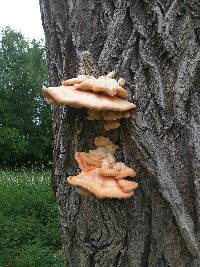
column 154, row 45
column 25, row 131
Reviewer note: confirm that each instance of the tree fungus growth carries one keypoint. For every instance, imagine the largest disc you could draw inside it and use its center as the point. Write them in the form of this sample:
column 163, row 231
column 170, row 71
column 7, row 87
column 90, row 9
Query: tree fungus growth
column 104, row 84
column 69, row 95
column 101, row 175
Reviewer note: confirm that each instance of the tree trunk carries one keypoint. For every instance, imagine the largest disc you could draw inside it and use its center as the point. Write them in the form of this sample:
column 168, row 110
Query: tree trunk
column 154, row 45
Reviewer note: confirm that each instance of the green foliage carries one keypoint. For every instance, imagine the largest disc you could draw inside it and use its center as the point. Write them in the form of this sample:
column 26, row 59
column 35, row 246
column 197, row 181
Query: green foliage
column 29, row 228
column 10, row 141
column 25, row 115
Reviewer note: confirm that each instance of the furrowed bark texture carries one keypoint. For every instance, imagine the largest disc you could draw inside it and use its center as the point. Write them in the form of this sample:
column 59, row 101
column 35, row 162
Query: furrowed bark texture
column 155, row 46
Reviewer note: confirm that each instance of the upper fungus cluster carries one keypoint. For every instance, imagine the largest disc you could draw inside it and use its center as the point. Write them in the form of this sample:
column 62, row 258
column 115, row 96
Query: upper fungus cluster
column 101, row 175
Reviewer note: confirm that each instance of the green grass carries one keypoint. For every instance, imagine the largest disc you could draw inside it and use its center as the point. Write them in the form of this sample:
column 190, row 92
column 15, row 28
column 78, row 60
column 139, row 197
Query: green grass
column 29, row 229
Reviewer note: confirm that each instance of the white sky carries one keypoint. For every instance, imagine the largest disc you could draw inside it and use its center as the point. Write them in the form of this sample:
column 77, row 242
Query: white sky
column 22, row 15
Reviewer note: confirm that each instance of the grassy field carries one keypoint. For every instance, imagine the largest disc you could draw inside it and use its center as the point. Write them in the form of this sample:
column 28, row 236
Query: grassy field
column 29, row 229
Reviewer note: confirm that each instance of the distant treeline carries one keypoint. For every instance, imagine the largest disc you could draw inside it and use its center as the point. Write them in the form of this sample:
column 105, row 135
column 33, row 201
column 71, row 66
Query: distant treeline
column 25, row 117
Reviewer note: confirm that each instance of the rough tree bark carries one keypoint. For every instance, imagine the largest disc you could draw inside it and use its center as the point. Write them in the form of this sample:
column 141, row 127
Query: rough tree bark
column 155, row 46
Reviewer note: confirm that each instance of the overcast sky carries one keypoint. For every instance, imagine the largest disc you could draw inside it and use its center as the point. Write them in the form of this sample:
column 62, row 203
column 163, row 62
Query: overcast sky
column 22, row 15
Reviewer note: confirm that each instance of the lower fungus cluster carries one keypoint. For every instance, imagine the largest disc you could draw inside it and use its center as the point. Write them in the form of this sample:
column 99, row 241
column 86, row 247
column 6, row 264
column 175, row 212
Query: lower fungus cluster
column 101, row 175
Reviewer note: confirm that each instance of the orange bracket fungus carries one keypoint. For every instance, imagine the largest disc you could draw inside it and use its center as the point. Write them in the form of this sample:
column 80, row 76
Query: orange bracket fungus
column 103, row 84
column 111, row 117
column 111, row 125
column 69, row 95
column 103, row 97
column 101, row 175
column 103, row 93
